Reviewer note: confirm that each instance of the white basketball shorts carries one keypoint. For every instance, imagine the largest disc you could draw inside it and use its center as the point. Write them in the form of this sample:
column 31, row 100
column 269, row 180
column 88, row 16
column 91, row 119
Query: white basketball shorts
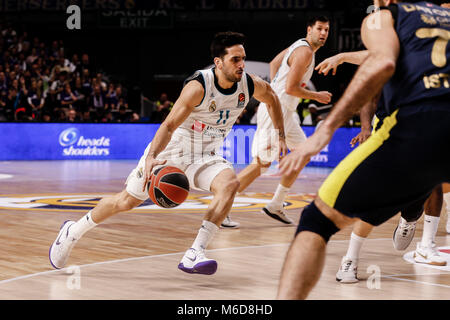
column 266, row 140
column 200, row 170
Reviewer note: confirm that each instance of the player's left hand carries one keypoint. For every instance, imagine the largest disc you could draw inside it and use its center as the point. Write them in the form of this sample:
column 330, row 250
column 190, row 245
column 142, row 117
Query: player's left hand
column 150, row 163
column 283, row 149
column 294, row 162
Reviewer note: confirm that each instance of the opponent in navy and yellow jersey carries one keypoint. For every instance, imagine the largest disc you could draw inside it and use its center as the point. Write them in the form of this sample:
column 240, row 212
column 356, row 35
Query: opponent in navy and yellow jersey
column 403, row 161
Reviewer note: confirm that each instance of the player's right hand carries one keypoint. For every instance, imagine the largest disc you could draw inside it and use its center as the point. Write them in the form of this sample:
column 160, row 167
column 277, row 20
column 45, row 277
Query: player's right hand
column 323, row 97
column 328, row 64
column 360, row 137
column 150, row 163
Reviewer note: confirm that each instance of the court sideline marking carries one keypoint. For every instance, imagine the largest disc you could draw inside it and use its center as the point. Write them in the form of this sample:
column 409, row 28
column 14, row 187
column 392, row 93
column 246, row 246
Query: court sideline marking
column 393, row 276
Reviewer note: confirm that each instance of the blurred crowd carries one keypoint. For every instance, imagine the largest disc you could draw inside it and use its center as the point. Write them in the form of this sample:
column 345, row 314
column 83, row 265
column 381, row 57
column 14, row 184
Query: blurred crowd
column 40, row 82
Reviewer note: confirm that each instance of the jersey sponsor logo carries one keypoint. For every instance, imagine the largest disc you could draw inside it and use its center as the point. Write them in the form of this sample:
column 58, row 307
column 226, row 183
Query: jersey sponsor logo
column 198, row 126
column 428, row 19
column 195, row 203
column 241, row 100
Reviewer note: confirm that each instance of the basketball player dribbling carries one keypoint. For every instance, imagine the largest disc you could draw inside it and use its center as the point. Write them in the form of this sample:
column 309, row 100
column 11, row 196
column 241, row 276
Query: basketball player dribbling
column 190, row 138
column 290, row 71
column 403, row 57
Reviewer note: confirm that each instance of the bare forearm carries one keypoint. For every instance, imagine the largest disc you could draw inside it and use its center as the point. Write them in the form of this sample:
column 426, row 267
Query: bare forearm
column 356, row 57
column 367, row 82
column 160, row 140
column 298, row 91
column 277, row 118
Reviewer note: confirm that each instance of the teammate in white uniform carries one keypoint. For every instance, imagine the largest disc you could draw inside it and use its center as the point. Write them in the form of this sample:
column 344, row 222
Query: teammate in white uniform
column 189, row 139
column 290, row 71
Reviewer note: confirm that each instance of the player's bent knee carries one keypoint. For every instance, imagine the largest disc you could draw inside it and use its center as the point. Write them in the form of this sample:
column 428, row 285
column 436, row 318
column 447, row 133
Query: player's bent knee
column 313, row 220
column 233, row 185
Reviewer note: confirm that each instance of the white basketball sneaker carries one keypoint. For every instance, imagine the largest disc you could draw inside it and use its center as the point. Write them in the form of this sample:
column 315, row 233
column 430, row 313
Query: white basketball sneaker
column 403, row 234
column 195, row 261
column 348, row 271
column 279, row 215
column 228, row 223
column 60, row 249
column 429, row 255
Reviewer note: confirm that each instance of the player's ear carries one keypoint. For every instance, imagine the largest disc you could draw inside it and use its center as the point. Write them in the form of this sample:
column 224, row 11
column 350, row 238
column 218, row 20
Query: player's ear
column 218, row 62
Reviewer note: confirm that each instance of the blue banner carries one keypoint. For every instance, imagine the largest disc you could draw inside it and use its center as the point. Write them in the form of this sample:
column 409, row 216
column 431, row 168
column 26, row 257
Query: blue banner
column 63, row 141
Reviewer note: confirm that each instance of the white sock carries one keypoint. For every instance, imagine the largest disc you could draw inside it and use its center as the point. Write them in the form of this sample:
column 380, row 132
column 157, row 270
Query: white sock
column 205, row 234
column 430, row 226
column 278, row 198
column 354, row 247
column 82, row 226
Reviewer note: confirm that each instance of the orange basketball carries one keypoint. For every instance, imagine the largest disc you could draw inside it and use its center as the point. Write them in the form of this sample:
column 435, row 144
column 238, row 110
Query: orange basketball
column 168, row 187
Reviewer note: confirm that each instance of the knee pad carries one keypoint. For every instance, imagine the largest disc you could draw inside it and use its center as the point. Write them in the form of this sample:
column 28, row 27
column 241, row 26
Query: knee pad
column 313, row 220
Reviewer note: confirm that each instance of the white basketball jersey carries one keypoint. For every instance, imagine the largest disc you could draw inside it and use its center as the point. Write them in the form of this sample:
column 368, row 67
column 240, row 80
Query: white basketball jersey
column 212, row 120
column 278, row 83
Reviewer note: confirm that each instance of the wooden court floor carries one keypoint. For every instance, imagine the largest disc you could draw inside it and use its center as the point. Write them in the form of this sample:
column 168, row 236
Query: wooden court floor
column 134, row 255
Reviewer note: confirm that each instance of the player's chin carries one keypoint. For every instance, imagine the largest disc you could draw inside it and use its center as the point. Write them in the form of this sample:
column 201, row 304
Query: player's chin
column 238, row 76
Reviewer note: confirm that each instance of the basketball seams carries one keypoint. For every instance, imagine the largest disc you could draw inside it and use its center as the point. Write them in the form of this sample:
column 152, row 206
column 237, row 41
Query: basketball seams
column 171, row 193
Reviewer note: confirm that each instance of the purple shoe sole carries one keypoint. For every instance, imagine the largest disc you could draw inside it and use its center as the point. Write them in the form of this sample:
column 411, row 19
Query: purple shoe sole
column 206, row 267
column 49, row 250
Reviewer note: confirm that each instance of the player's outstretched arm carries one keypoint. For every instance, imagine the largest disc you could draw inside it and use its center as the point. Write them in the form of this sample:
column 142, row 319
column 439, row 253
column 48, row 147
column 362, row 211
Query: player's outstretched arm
column 332, row 63
column 190, row 97
column 299, row 61
column 369, row 79
column 264, row 93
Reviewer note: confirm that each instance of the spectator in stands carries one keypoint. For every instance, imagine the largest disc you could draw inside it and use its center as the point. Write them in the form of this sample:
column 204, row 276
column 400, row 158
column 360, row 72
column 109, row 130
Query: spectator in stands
column 35, row 100
column 107, row 117
column 111, row 98
column 72, row 116
column 87, row 86
column 85, row 63
column 68, row 97
column 162, row 100
column 57, row 87
column 99, row 80
column 61, row 116
column 122, row 103
column 46, row 117
column 3, row 113
column 32, row 57
column 122, row 116
column 161, row 112
column 10, row 104
column 86, row 116
column 135, row 118
column 3, row 82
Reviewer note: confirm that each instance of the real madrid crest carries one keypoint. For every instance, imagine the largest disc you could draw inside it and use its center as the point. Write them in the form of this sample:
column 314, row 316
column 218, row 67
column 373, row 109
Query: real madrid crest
column 212, row 106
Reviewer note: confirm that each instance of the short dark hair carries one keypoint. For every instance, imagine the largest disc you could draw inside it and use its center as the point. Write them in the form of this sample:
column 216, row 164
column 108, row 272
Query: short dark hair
column 312, row 21
column 224, row 40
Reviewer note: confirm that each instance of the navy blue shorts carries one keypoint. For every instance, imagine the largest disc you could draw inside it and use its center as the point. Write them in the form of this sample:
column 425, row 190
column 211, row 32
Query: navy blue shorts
column 396, row 168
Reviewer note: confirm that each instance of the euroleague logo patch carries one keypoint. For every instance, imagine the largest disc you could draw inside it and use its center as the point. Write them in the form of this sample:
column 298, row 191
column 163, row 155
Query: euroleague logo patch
column 195, row 203
column 444, row 252
column 241, row 100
